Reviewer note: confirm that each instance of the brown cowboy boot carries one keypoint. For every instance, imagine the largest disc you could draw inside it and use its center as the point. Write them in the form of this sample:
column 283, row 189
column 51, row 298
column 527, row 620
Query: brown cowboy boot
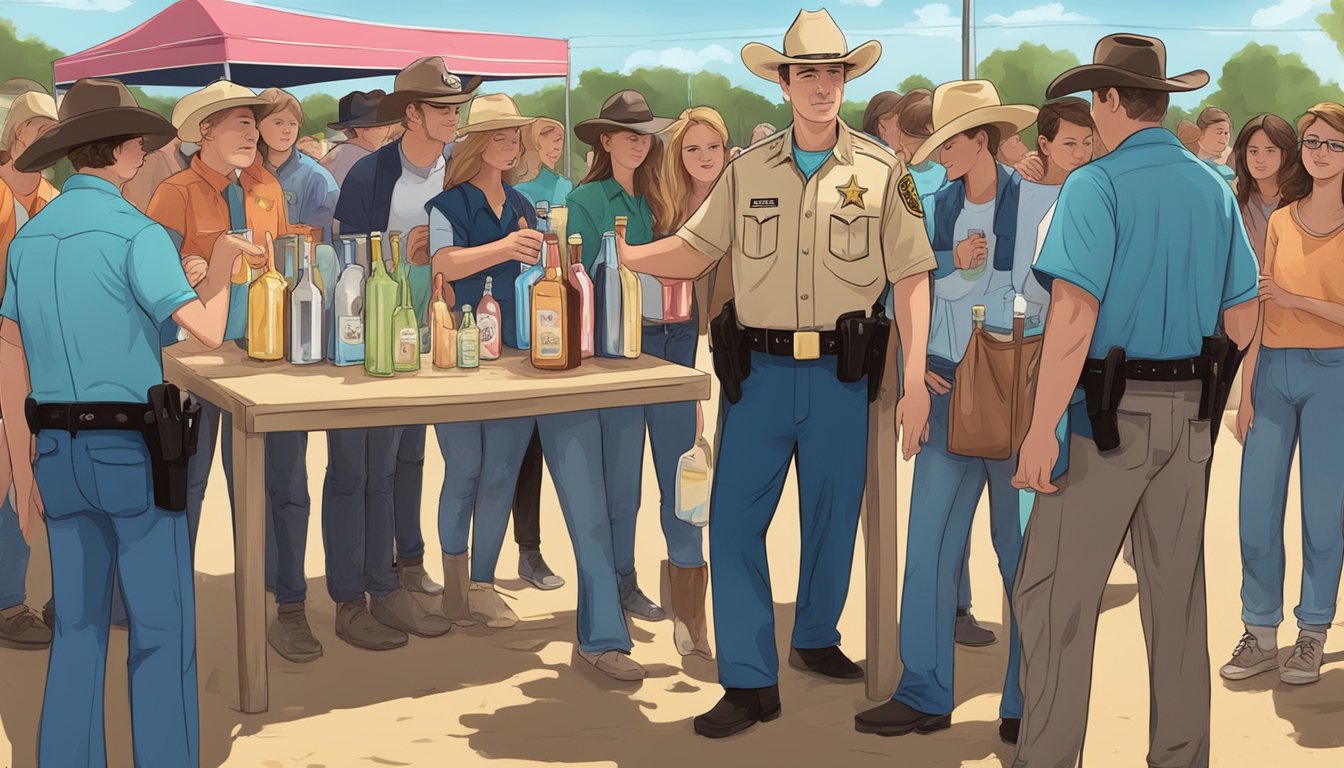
column 690, row 629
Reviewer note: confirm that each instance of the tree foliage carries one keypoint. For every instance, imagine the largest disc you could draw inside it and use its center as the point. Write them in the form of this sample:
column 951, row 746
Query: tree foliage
column 1260, row 78
column 1022, row 74
column 912, row 82
column 1333, row 23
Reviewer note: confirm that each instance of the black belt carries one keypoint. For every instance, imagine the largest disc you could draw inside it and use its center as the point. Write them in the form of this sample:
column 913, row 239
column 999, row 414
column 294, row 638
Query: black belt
column 80, row 417
column 1189, row 369
column 781, row 342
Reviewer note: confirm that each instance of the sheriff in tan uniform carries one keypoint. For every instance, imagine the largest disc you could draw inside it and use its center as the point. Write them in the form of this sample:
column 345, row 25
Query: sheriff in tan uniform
column 820, row 221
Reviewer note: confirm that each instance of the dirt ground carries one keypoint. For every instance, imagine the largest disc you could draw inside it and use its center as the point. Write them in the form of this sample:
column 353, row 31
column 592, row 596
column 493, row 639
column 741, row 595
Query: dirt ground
column 515, row 697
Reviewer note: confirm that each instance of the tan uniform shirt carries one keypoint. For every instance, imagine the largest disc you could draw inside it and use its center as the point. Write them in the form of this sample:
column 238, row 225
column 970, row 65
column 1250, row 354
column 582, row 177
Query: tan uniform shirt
column 804, row 253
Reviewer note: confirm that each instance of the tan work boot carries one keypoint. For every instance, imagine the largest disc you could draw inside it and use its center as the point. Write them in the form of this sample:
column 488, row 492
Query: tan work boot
column 22, row 630
column 690, row 629
column 412, row 575
column 290, row 635
column 488, row 607
column 456, row 581
column 615, row 664
column 356, row 626
column 401, row 610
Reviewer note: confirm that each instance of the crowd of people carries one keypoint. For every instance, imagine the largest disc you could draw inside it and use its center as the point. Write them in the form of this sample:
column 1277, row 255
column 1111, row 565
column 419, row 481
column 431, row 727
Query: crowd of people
column 935, row 215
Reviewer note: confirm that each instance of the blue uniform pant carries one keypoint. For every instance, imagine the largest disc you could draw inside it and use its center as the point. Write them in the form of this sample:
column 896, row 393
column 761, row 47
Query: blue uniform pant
column 101, row 521
column 468, row 449
column 408, row 488
column 945, row 494
column 671, row 434
column 572, row 445
column 790, row 411
column 13, row 555
column 357, row 516
column 1299, row 401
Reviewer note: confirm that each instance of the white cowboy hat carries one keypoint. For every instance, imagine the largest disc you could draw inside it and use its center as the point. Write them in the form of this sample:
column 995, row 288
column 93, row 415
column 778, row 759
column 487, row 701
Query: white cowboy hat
column 961, row 105
column 813, row 38
column 493, row 112
column 218, row 96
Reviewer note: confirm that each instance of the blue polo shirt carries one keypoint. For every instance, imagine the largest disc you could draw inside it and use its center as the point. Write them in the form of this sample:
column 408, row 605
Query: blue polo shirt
column 463, row 218
column 548, row 185
column 91, row 280
column 310, row 192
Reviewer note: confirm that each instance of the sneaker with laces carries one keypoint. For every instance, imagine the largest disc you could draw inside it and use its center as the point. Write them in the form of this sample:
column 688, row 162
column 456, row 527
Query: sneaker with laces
column 1249, row 659
column 1304, row 666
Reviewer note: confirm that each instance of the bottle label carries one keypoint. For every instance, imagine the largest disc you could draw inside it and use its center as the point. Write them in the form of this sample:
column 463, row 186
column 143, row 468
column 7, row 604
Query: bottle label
column 408, row 346
column 548, row 342
column 468, row 351
column 489, row 326
column 351, row 329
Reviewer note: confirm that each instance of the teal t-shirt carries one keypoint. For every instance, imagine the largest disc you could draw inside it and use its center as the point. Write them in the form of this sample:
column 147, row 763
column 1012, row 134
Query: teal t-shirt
column 809, row 162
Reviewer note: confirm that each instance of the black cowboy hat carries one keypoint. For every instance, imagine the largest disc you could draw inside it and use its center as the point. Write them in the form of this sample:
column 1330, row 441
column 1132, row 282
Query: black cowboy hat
column 358, row 109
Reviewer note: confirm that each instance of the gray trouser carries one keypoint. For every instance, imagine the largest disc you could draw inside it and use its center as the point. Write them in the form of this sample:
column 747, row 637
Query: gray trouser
column 1154, row 486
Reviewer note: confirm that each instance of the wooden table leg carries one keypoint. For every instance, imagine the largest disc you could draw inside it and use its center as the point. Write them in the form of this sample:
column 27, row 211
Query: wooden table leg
column 249, row 561
column 880, row 537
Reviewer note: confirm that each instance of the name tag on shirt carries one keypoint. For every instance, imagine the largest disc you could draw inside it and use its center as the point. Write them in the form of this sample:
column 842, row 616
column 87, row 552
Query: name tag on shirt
column 765, row 202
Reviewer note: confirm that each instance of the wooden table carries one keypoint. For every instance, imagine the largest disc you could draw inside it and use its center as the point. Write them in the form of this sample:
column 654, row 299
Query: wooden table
column 277, row 397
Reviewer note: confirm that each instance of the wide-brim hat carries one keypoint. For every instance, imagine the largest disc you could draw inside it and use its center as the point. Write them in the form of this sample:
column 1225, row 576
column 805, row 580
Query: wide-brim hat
column 94, row 110
column 961, row 105
column 28, row 106
column 622, row 111
column 359, row 109
column 429, row 80
column 214, row 98
column 1126, row 61
column 493, row 112
column 813, row 38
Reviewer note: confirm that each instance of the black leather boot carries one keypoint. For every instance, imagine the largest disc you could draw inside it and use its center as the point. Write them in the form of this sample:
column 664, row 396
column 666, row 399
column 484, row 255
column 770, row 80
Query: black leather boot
column 827, row 662
column 738, row 710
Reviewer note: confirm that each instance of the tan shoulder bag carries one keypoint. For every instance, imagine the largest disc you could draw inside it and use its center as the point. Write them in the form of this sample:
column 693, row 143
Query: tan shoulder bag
column 994, row 393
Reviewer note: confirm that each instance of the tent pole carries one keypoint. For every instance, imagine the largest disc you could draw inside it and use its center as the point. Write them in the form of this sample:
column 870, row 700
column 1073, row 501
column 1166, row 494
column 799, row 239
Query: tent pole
column 228, row 74
column 569, row 64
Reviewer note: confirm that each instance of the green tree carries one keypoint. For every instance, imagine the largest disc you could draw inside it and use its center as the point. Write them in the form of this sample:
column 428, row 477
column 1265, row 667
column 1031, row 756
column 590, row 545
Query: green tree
column 318, row 110
column 1333, row 23
column 1260, row 78
column 914, row 81
column 1022, row 74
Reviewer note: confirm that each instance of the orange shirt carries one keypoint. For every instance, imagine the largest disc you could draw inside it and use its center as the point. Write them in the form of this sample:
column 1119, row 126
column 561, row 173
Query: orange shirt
column 191, row 205
column 9, row 224
column 1308, row 265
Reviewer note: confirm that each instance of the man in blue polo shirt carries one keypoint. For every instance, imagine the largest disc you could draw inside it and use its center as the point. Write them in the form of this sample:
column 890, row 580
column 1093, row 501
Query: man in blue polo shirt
column 1129, row 271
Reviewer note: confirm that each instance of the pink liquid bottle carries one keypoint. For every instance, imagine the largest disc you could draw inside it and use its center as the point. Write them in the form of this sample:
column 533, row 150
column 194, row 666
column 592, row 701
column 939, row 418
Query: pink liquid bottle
column 578, row 277
column 488, row 318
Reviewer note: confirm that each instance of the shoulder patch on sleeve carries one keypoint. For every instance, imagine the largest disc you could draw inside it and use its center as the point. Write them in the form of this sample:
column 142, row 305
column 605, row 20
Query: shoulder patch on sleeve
column 910, row 195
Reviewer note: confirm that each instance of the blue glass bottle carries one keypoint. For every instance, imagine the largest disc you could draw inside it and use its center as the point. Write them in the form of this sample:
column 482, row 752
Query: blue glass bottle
column 529, row 275
column 607, row 299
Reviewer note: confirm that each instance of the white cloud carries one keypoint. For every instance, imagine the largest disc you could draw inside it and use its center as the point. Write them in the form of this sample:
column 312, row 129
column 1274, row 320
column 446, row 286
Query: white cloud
column 683, row 59
column 1050, row 13
column 84, row 5
column 869, row 3
column 936, row 20
column 1285, row 11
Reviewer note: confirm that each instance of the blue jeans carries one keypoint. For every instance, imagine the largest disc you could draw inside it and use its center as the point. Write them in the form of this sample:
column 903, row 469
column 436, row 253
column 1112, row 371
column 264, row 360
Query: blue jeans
column 101, row 521
column 471, row 454
column 787, row 407
column 671, row 434
column 946, row 492
column 408, row 488
column 1299, row 401
column 572, row 445
column 357, row 517
column 13, row 555
column 622, row 475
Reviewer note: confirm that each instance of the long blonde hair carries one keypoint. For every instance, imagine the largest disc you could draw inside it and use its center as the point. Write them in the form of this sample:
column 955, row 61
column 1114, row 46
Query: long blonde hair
column 677, row 182
column 468, row 155
column 648, row 179
column 530, row 164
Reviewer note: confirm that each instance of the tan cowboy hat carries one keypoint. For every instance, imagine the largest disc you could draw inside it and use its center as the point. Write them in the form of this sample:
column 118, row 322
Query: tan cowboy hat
column 216, row 97
column 961, row 105
column 426, row 79
column 622, row 111
column 93, row 110
column 813, row 38
column 493, row 112
column 1126, row 61
column 27, row 106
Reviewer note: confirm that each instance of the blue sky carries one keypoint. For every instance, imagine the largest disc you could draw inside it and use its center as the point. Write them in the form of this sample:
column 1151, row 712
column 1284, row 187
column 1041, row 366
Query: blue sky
column 918, row 36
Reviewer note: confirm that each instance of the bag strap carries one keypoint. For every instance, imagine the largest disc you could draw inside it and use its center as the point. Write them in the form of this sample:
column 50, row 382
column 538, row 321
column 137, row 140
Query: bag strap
column 1019, row 323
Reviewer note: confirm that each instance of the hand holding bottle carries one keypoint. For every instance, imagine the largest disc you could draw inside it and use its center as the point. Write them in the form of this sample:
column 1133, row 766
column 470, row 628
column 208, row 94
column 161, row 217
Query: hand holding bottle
column 417, row 246
column 971, row 252
column 229, row 247
column 523, row 245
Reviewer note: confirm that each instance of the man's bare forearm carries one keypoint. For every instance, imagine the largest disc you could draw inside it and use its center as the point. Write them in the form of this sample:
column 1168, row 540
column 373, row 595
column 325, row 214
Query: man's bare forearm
column 910, row 297
column 207, row 317
column 671, row 258
column 1068, row 335
column 14, row 389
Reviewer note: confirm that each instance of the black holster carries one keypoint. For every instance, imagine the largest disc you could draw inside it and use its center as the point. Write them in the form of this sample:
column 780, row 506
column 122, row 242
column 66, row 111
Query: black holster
column 863, row 348
column 1104, row 391
column 171, row 430
column 1224, row 358
column 731, row 352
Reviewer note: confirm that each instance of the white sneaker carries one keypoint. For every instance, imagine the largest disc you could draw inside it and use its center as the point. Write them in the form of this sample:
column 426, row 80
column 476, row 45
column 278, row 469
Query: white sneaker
column 1249, row 660
column 1304, row 666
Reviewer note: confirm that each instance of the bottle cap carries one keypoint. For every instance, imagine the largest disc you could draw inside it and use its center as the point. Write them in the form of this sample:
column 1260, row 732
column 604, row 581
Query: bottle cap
column 466, row 307
column 576, row 239
column 622, row 220
column 978, row 312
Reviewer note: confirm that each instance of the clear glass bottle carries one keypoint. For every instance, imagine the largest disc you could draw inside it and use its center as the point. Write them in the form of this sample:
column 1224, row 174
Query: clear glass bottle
column 468, row 340
column 306, row 326
column 578, row 277
column 608, row 331
column 380, row 301
column 266, row 314
column 488, row 318
column 347, row 309
column 444, row 335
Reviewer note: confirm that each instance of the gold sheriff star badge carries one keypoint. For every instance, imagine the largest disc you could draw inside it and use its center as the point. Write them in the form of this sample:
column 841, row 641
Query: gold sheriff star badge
column 852, row 193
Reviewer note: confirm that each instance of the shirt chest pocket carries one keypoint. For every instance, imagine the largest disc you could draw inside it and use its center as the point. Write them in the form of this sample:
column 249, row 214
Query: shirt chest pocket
column 851, row 241
column 760, row 236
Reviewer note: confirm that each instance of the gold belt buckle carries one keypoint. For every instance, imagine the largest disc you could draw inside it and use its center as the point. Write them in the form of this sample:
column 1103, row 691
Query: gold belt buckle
column 806, row 345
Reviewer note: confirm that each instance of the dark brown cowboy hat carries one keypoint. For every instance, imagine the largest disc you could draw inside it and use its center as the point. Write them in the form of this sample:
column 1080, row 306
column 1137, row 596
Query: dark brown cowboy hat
column 93, row 110
column 623, row 111
column 358, row 109
column 1126, row 61
column 426, row 79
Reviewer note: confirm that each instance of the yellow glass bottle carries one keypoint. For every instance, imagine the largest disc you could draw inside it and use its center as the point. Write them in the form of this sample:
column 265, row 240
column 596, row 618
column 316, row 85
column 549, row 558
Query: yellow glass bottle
column 444, row 335
column 632, row 321
column 266, row 313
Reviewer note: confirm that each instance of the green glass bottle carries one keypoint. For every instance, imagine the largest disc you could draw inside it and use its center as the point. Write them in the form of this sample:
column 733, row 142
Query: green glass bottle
column 380, row 300
column 405, row 330
column 468, row 340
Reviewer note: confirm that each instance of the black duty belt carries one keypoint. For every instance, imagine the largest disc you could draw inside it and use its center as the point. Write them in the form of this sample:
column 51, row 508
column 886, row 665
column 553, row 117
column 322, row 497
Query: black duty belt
column 1188, row 369
column 80, row 417
column 800, row 345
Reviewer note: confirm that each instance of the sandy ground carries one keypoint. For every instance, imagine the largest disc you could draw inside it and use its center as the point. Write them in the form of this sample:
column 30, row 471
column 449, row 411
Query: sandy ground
column 514, row 697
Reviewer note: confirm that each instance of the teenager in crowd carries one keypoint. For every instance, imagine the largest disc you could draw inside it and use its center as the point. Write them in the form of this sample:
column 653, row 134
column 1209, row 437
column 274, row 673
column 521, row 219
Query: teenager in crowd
column 1208, row 138
column 543, row 148
column 310, row 190
column 881, row 119
column 1268, row 175
column 364, row 134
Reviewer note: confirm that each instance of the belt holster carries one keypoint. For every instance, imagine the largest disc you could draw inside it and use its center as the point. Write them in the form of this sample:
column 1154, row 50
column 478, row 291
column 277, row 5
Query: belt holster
column 1224, row 360
column 863, row 348
column 171, row 430
column 1104, row 390
column 731, row 352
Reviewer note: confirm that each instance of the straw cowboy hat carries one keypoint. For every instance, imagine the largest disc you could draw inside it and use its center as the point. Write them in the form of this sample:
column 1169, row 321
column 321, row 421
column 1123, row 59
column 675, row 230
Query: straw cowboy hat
column 426, row 79
column 358, row 109
column 216, row 97
column 493, row 112
column 961, row 105
column 94, row 110
column 813, row 38
column 622, row 111
column 29, row 105
column 1126, row 61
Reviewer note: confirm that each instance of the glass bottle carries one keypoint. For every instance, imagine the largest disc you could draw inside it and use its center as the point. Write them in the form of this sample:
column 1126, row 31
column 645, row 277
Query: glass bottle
column 551, row 315
column 978, row 316
column 522, row 288
column 468, row 341
column 488, row 318
column 243, row 275
column 442, row 331
column 266, row 314
column 405, row 327
column 632, row 316
column 543, row 211
column 578, row 277
column 306, row 345
column 347, row 309
column 380, row 299
column 607, row 300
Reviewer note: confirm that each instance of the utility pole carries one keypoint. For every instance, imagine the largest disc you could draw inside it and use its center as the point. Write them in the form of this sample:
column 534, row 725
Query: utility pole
column 967, row 40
